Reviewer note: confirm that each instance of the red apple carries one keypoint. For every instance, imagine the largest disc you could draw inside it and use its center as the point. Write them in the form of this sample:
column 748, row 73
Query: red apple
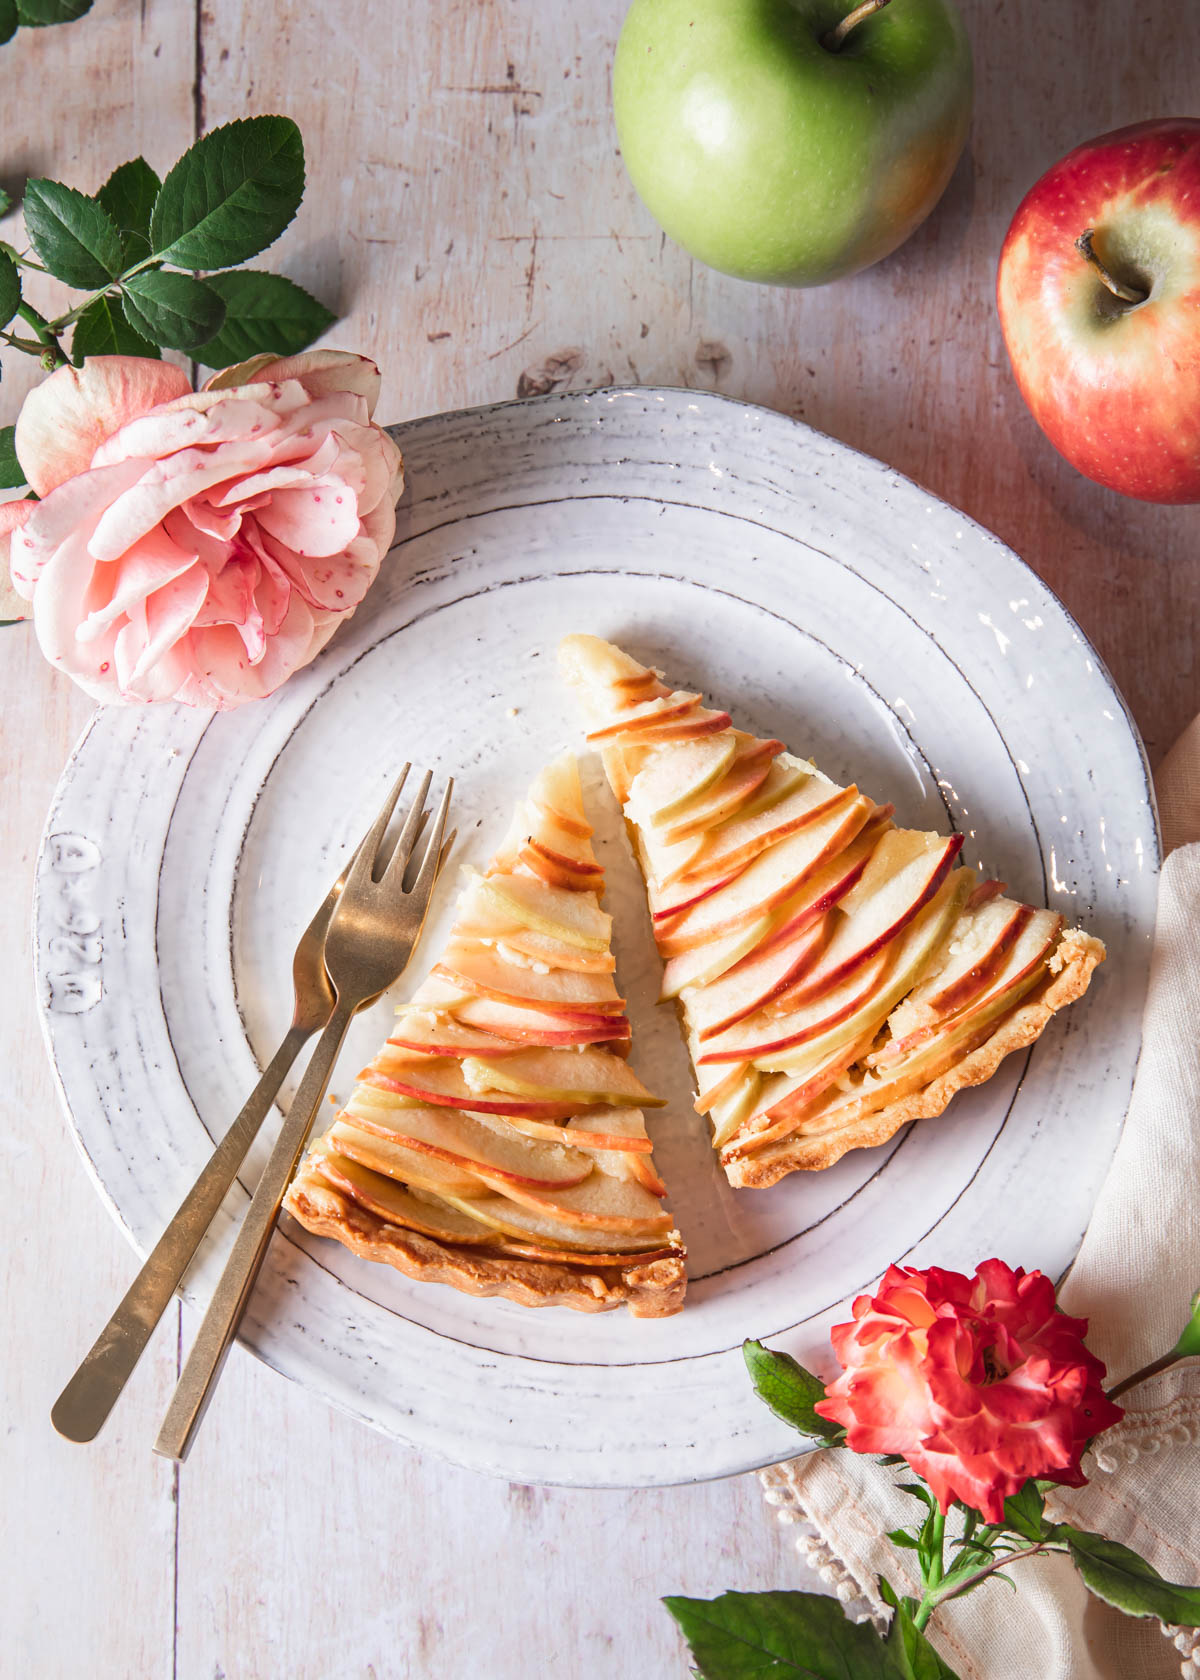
column 1099, row 297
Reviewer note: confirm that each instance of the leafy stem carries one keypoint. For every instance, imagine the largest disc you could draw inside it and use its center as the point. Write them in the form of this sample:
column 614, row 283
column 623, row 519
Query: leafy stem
column 956, row 1585
column 45, row 331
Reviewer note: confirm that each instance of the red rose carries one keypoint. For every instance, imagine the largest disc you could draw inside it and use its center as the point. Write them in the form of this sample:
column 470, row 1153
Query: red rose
column 979, row 1383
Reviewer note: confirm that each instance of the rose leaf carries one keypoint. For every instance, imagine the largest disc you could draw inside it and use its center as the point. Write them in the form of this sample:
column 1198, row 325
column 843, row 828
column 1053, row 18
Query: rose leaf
column 9, row 20
column 914, row 1656
column 1121, row 1578
column 72, row 234
column 38, row 14
column 780, row 1636
column 172, row 309
column 128, row 195
column 789, row 1390
column 104, row 330
column 1023, row 1512
column 262, row 312
column 231, row 194
column 10, row 288
column 12, row 474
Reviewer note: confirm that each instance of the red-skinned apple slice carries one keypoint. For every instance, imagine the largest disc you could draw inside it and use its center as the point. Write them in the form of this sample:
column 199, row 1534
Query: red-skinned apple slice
column 600, row 1203
column 1021, row 961
column 588, row 1078
column 521, row 1221
column 652, row 714
column 623, row 1162
column 974, row 955
column 392, row 1203
column 427, row 1170
column 686, row 729
column 706, row 963
column 540, row 1026
column 460, row 1142
column 739, row 841
column 769, row 881
column 906, row 871
column 566, row 992
column 441, row 1084
column 758, row 978
column 760, row 1038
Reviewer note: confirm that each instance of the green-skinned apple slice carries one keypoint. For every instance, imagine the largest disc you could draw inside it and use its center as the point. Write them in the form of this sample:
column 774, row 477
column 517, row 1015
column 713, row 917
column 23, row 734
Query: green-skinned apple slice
column 474, row 968
column 441, row 1085
column 391, row 1202
column 584, row 1257
column 588, row 1078
column 573, row 918
column 618, row 1207
column 747, row 773
column 671, row 781
column 706, row 963
column 465, row 1143
column 769, row 881
column 588, row 1131
column 728, row 1115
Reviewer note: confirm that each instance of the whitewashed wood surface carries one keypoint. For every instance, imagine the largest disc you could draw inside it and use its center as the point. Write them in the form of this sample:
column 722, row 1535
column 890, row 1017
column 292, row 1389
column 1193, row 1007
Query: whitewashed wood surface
column 468, row 214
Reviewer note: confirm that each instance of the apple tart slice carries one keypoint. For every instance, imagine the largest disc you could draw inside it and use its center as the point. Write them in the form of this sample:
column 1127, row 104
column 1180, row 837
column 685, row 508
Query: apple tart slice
column 497, row 1143
column 837, row 976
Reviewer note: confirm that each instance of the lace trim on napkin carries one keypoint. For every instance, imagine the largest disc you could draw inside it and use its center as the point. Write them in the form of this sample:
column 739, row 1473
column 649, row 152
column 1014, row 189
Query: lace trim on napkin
column 1143, row 1434
column 780, row 1491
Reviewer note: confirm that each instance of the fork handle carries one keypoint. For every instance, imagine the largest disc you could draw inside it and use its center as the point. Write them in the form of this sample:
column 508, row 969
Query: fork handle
column 84, row 1404
column 236, row 1284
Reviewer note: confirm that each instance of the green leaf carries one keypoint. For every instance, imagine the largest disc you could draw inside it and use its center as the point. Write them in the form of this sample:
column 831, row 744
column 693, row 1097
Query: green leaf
column 231, row 195
column 8, row 28
column 902, row 1538
column 1024, row 1512
column 72, row 234
column 779, row 1636
column 12, row 474
column 914, row 1656
column 918, row 1491
column 789, row 1390
column 103, row 330
column 5, row 197
column 128, row 195
column 10, row 288
column 172, row 309
column 1189, row 1342
column 262, row 312
column 1121, row 1578
column 37, row 14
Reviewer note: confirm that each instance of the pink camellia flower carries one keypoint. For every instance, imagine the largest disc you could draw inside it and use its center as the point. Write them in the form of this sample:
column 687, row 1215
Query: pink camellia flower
column 980, row 1383
column 199, row 545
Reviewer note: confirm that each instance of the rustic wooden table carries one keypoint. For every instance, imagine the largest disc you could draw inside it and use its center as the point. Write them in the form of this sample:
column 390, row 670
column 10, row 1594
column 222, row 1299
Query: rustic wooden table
column 468, row 214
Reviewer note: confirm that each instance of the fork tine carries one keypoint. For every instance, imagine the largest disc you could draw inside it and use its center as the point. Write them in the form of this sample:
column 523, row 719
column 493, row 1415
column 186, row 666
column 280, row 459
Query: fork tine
column 407, row 838
column 431, row 862
column 362, row 866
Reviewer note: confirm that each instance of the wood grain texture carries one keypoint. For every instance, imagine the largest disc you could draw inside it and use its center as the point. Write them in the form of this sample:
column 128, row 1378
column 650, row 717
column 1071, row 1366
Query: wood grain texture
column 468, row 214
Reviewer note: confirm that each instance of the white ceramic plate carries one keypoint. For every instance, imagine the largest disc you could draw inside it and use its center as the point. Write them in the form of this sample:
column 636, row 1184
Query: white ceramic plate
column 821, row 598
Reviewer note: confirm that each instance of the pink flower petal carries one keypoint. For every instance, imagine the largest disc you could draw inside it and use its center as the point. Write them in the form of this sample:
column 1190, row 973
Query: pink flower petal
column 66, row 418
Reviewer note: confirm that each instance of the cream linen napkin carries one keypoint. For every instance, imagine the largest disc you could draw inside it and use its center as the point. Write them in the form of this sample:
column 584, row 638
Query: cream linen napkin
column 1132, row 1279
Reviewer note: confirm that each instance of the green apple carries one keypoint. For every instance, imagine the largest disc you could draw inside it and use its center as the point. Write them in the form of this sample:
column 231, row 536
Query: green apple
column 773, row 151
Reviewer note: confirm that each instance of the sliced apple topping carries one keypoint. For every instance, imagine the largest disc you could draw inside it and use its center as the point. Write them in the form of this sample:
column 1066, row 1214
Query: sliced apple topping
column 501, row 1115
column 819, row 954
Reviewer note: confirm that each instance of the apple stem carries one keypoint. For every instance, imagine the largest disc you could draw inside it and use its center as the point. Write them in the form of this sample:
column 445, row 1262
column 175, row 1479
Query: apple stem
column 1127, row 294
column 833, row 40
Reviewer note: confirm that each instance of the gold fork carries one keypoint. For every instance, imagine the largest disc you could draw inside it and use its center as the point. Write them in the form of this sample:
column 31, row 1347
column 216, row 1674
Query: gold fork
column 371, row 937
column 85, row 1403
